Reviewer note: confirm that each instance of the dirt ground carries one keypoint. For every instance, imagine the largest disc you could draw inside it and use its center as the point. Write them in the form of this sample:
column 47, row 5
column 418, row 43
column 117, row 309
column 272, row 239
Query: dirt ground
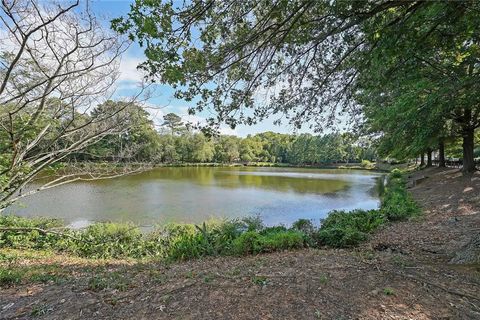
column 403, row 272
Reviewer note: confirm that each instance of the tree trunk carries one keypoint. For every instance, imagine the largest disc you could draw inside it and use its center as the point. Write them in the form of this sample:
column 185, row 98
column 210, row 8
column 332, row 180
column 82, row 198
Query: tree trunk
column 441, row 154
column 429, row 157
column 422, row 159
column 468, row 145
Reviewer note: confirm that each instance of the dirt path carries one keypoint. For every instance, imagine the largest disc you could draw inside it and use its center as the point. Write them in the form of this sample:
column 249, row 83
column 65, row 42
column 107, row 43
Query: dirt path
column 402, row 273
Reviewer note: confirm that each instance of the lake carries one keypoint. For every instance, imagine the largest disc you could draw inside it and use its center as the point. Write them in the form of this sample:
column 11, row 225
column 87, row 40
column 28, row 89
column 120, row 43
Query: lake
column 196, row 194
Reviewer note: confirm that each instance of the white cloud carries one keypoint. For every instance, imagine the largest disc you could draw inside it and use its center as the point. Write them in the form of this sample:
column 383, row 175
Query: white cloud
column 129, row 74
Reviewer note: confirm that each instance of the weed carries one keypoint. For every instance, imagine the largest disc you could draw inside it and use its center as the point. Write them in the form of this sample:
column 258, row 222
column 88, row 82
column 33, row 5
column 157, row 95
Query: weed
column 45, row 278
column 111, row 280
column 9, row 277
column 157, row 276
column 323, row 279
column 40, row 310
column 397, row 203
column 260, row 280
column 97, row 283
column 388, row 291
column 346, row 229
column 208, row 278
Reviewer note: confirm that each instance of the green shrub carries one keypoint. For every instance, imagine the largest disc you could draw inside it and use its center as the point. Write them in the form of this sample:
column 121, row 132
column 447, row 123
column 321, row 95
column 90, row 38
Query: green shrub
column 397, row 203
column 254, row 223
column 364, row 221
column 282, row 240
column 303, row 225
column 344, row 229
column 28, row 239
column 395, row 174
column 341, row 237
column 272, row 230
column 308, row 229
column 249, row 242
column 252, row 242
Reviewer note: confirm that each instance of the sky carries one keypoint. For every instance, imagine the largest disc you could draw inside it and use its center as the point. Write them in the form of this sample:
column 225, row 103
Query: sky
column 161, row 101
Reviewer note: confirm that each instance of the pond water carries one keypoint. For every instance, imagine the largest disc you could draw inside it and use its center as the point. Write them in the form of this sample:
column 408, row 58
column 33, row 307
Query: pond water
column 196, row 194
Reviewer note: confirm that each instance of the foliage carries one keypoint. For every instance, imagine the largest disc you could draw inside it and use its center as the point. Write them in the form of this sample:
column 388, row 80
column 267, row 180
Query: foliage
column 30, row 238
column 9, row 276
column 407, row 71
column 111, row 280
column 345, row 229
column 397, row 203
column 107, row 240
column 367, row 164
column 252, row 242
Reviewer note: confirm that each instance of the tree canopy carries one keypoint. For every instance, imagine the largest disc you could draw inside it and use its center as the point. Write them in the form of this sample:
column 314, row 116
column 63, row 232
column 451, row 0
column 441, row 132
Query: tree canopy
column 316, row 62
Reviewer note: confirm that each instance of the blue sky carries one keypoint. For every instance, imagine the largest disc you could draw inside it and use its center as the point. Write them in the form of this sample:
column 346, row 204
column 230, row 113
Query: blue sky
column 162, row 100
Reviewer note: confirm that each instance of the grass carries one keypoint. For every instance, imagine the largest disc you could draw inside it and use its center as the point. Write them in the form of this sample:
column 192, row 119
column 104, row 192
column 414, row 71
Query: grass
column 177, row 242
column 260, row 280
column 40, row 310
column 9, row 277
column 110, row 280
column 388, row 292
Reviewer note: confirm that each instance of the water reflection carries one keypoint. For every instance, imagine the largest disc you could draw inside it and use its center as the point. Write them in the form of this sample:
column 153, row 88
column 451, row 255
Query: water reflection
column 194, row 194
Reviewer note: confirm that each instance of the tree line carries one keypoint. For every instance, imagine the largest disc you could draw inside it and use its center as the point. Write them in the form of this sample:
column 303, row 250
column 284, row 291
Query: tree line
column 176, row 142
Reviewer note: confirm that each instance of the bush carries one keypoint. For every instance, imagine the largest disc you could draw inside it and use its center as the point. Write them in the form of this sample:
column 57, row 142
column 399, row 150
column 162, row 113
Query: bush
column 364, row 221
column 252, row 242
column 254, row 223
column 340, row 237
column 28, row 239
column 345, row 229
column 396, row 174
column 249, row 242
column 303, row 225
column 397, row 203
column 282, row 240
column 308, row 229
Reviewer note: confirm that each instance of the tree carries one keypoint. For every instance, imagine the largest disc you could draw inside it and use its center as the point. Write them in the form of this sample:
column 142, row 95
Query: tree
column 304, row 150
column 311, row 57
column 227, row 149
column 427, row 67
column 138, row 142
column 173, row 122
column 57, row 61
column 203, row 148
column 251, row 148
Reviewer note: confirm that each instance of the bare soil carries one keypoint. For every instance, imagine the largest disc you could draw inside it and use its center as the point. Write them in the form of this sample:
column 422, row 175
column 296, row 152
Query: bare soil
column 404, row 272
